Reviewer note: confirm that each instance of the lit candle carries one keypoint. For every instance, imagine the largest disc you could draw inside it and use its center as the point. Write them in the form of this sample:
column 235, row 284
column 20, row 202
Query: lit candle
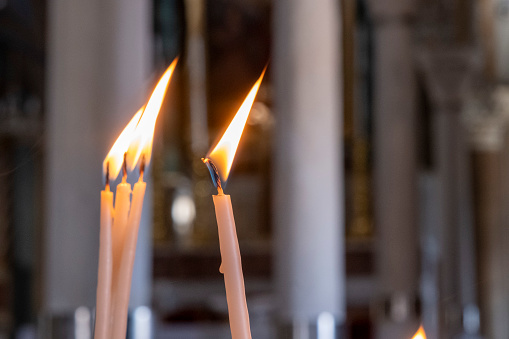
column 119, row 225
column 219, row 162
column 420, row 334
column 104, row 273
column 140, row 148
column 108, row 236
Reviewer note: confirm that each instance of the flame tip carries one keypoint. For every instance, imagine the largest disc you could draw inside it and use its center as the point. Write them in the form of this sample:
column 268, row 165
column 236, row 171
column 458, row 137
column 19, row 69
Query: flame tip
column 420, row 334
column 223, row 152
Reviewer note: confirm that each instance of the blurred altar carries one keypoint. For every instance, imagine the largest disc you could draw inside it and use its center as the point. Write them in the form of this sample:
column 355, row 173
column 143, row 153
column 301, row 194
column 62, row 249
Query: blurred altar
column 370, row 187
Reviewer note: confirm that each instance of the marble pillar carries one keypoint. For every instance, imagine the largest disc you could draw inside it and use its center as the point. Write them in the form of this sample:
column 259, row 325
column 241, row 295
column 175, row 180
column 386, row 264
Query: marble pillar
column 98, row 57
column 395, row 170
column 447, row 73
column 308, row 177
column 487, row 127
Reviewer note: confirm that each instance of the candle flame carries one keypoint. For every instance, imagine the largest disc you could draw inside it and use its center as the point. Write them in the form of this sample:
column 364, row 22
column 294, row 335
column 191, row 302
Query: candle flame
column 223, row 153
column 420, row 334
column 143, row 135
column 115, row 157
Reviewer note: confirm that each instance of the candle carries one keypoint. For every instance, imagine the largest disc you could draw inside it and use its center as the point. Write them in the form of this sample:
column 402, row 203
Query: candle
column 119, row 225
column 109, row 228
column 126, row 261
column 140, row 147
column 219, row 162
column 105, row 262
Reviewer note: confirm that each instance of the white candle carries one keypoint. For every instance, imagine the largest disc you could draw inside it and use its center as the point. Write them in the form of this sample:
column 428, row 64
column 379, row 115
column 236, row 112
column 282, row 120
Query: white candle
column 119, row 249
column 122, row 206
column 104, row 274
column 231, row 267
column 126, row 262
column 108, row 235
column 219, row 162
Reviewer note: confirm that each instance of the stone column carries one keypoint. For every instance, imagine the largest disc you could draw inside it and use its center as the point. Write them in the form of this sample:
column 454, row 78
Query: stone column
column 308, row 179
column 487, row 131
column 98, row 58
column 395, row 169
column 447, row 74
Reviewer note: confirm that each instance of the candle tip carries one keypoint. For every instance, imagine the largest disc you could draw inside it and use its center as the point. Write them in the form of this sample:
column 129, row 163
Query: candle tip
column 214, row 173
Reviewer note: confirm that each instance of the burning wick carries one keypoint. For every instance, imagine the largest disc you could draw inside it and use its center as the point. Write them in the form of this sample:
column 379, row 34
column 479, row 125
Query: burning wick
column 107, row 185
column 214, row 173
column 124, row 168
column 222, row 155
column 142, row 167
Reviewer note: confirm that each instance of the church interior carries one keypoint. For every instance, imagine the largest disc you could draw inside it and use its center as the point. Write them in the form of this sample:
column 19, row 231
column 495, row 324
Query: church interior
column 368, row 186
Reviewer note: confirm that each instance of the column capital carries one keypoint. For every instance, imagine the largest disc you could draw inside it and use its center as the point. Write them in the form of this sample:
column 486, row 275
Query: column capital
column 486, row 116
column 391, row 10
column 447, row 73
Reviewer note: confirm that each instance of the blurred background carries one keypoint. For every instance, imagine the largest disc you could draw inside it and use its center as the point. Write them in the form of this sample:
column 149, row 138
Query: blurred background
column 369, row 188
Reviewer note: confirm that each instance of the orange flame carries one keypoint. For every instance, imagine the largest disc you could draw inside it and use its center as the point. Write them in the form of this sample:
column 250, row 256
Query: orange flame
column 141, row 142
column 420, row 334
column 223, row 153
column 115, row 157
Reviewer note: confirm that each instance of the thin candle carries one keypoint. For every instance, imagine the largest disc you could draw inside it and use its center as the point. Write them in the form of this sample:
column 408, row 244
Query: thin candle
column 108, row 236
column 104, row 274
column 120, row 224
column 219, row 162
column 140, row 150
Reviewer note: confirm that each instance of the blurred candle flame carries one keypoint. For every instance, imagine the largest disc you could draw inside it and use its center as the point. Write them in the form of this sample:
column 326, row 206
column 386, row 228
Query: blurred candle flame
column 223, row 153
column 420, row 334
column 115, row 157
column 143, row 135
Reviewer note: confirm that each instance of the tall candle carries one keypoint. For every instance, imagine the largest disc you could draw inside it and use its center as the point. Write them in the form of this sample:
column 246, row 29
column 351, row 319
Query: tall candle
column 104, row 274
column 126, row 262
column 219, row 162
column 118, row 245
column 122, row 206
column 111, row 222
column 231, row 267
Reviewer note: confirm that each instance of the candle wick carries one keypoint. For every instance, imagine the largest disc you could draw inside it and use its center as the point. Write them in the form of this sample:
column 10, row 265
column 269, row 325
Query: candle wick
column 142, row 167
column 124, row 168
column 214, row 173
column 107, row 185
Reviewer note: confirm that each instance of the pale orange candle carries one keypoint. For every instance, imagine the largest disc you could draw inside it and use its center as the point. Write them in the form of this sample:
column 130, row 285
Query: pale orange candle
column 110, row 223
column 140, row 149
column 118, row 237
column 104, row 274
column 219, row 162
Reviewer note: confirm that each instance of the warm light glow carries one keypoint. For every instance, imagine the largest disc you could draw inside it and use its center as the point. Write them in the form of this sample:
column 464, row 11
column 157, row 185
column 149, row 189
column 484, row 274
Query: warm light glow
column 223, row 153
column 144, row 133
column 115, row 157
column 420, row 334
